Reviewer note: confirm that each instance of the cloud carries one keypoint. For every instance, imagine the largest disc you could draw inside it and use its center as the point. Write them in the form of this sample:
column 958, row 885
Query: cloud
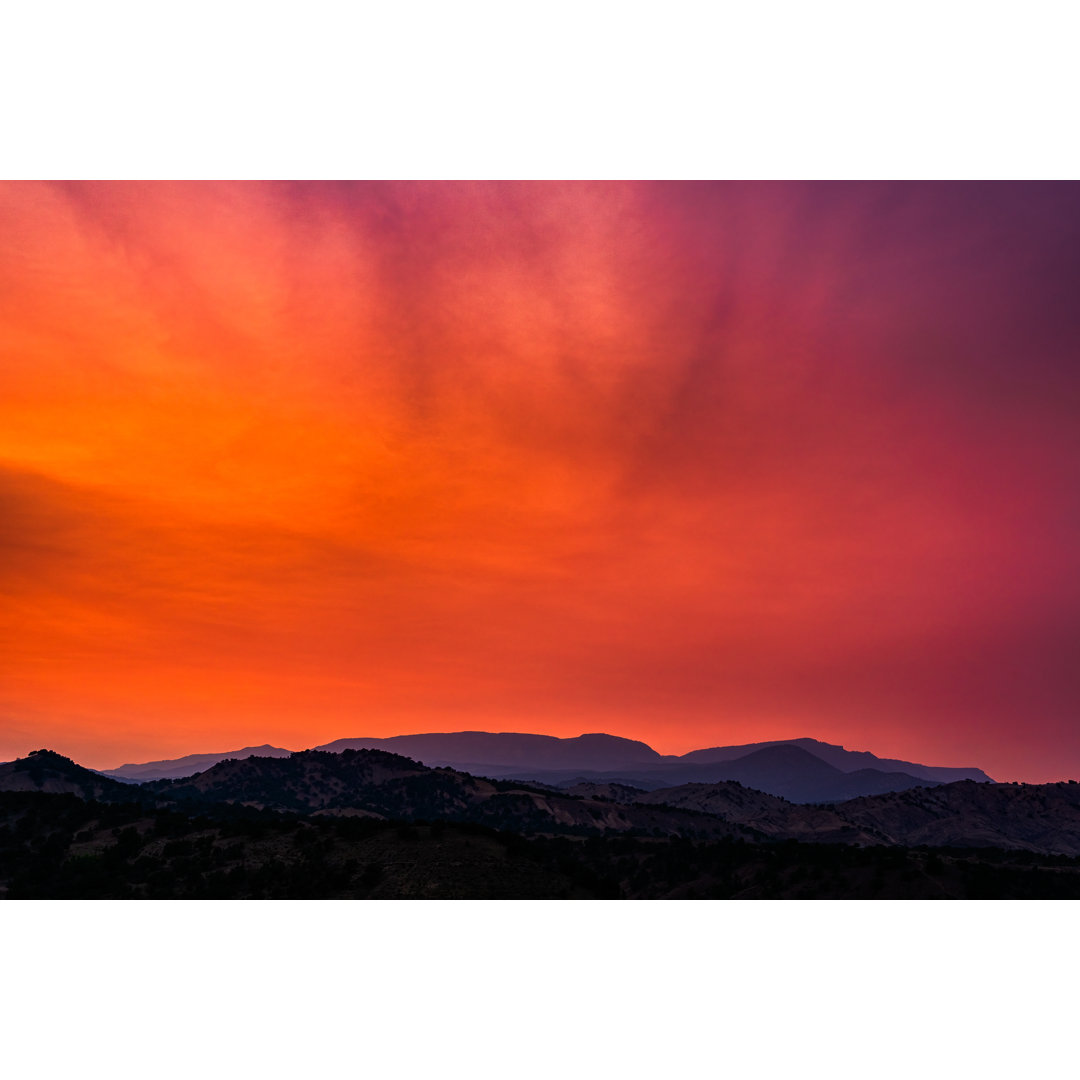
column 679, row 459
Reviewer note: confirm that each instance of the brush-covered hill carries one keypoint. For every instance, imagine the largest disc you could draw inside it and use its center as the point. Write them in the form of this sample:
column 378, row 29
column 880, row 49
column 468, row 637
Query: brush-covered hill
column 50, row 772
column 1021, row 817
column 379, row 784
column 1028, row 817
column 373, row 824
column 775, row 817
column 367, row 784
column 65, row 848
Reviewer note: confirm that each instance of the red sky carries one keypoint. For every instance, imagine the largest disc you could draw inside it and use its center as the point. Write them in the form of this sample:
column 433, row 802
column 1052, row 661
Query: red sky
column 692, row 463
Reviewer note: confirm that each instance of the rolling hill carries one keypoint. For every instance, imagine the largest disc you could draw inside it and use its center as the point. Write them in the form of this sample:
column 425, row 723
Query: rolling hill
column 371, row 824
column 375, row 783
column 52, row 773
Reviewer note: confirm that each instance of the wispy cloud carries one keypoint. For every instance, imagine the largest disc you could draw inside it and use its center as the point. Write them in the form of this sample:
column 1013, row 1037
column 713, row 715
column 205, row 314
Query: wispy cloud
column 688, row 461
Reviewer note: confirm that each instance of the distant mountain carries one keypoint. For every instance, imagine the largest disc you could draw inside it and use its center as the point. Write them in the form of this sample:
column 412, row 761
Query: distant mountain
column 187, row 766
column 798, row 775
column 790, row 768
column 783, row 769
column 481, row 749
column 803, row 770
column 842, row 759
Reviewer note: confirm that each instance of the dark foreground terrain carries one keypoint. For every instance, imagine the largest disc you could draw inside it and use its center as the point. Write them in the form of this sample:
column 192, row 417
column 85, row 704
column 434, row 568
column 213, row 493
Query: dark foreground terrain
column 63, row 846
column 372, row 824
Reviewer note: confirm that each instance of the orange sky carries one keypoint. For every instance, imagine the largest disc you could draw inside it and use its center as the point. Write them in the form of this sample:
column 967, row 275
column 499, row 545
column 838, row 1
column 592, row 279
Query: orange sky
column 690, row 463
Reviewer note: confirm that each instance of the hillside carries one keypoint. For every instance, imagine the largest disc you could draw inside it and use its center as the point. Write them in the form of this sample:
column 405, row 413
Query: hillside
column 383, row 786
column 379, row 784
column 1025, row 817
column 775, row 817
column 63, row 847
column 47, row 771
column 1030, row 817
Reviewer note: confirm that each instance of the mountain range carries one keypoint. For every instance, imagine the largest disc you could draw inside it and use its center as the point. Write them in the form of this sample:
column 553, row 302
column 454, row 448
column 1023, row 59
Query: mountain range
column 367, row 784
column 801, row 770
column 189, row 764
column 383, row 786
column 362, row 824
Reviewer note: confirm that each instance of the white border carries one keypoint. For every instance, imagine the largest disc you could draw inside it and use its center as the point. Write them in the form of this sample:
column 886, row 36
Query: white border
column 588, row 89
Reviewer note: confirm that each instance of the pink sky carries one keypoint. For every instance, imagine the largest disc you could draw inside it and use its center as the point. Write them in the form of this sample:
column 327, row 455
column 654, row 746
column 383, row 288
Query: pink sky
column 691, row 463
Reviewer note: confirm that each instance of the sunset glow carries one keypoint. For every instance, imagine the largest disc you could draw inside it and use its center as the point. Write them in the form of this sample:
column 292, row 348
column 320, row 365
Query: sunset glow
column 691, row 463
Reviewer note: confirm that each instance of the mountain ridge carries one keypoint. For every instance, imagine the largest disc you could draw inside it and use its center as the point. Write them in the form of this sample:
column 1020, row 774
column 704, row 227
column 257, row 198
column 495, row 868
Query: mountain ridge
column 1039, row 818
column 838, row 755
column 783, row 770
column 187, row 765
column 600, row 757
column 379, row 784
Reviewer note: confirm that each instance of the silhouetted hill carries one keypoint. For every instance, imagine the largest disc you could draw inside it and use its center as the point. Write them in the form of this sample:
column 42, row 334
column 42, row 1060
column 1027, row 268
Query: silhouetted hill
column 47, row 771
column 374, row 824
column 840, row 758
column 187, row 766
column 379, row 784
column 803, row 770
column 482, row 749
column 600, row 758
column 782, row 769
column 797, row 775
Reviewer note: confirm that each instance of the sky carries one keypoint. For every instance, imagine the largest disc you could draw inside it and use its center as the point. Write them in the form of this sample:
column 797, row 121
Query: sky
column 693, row 463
